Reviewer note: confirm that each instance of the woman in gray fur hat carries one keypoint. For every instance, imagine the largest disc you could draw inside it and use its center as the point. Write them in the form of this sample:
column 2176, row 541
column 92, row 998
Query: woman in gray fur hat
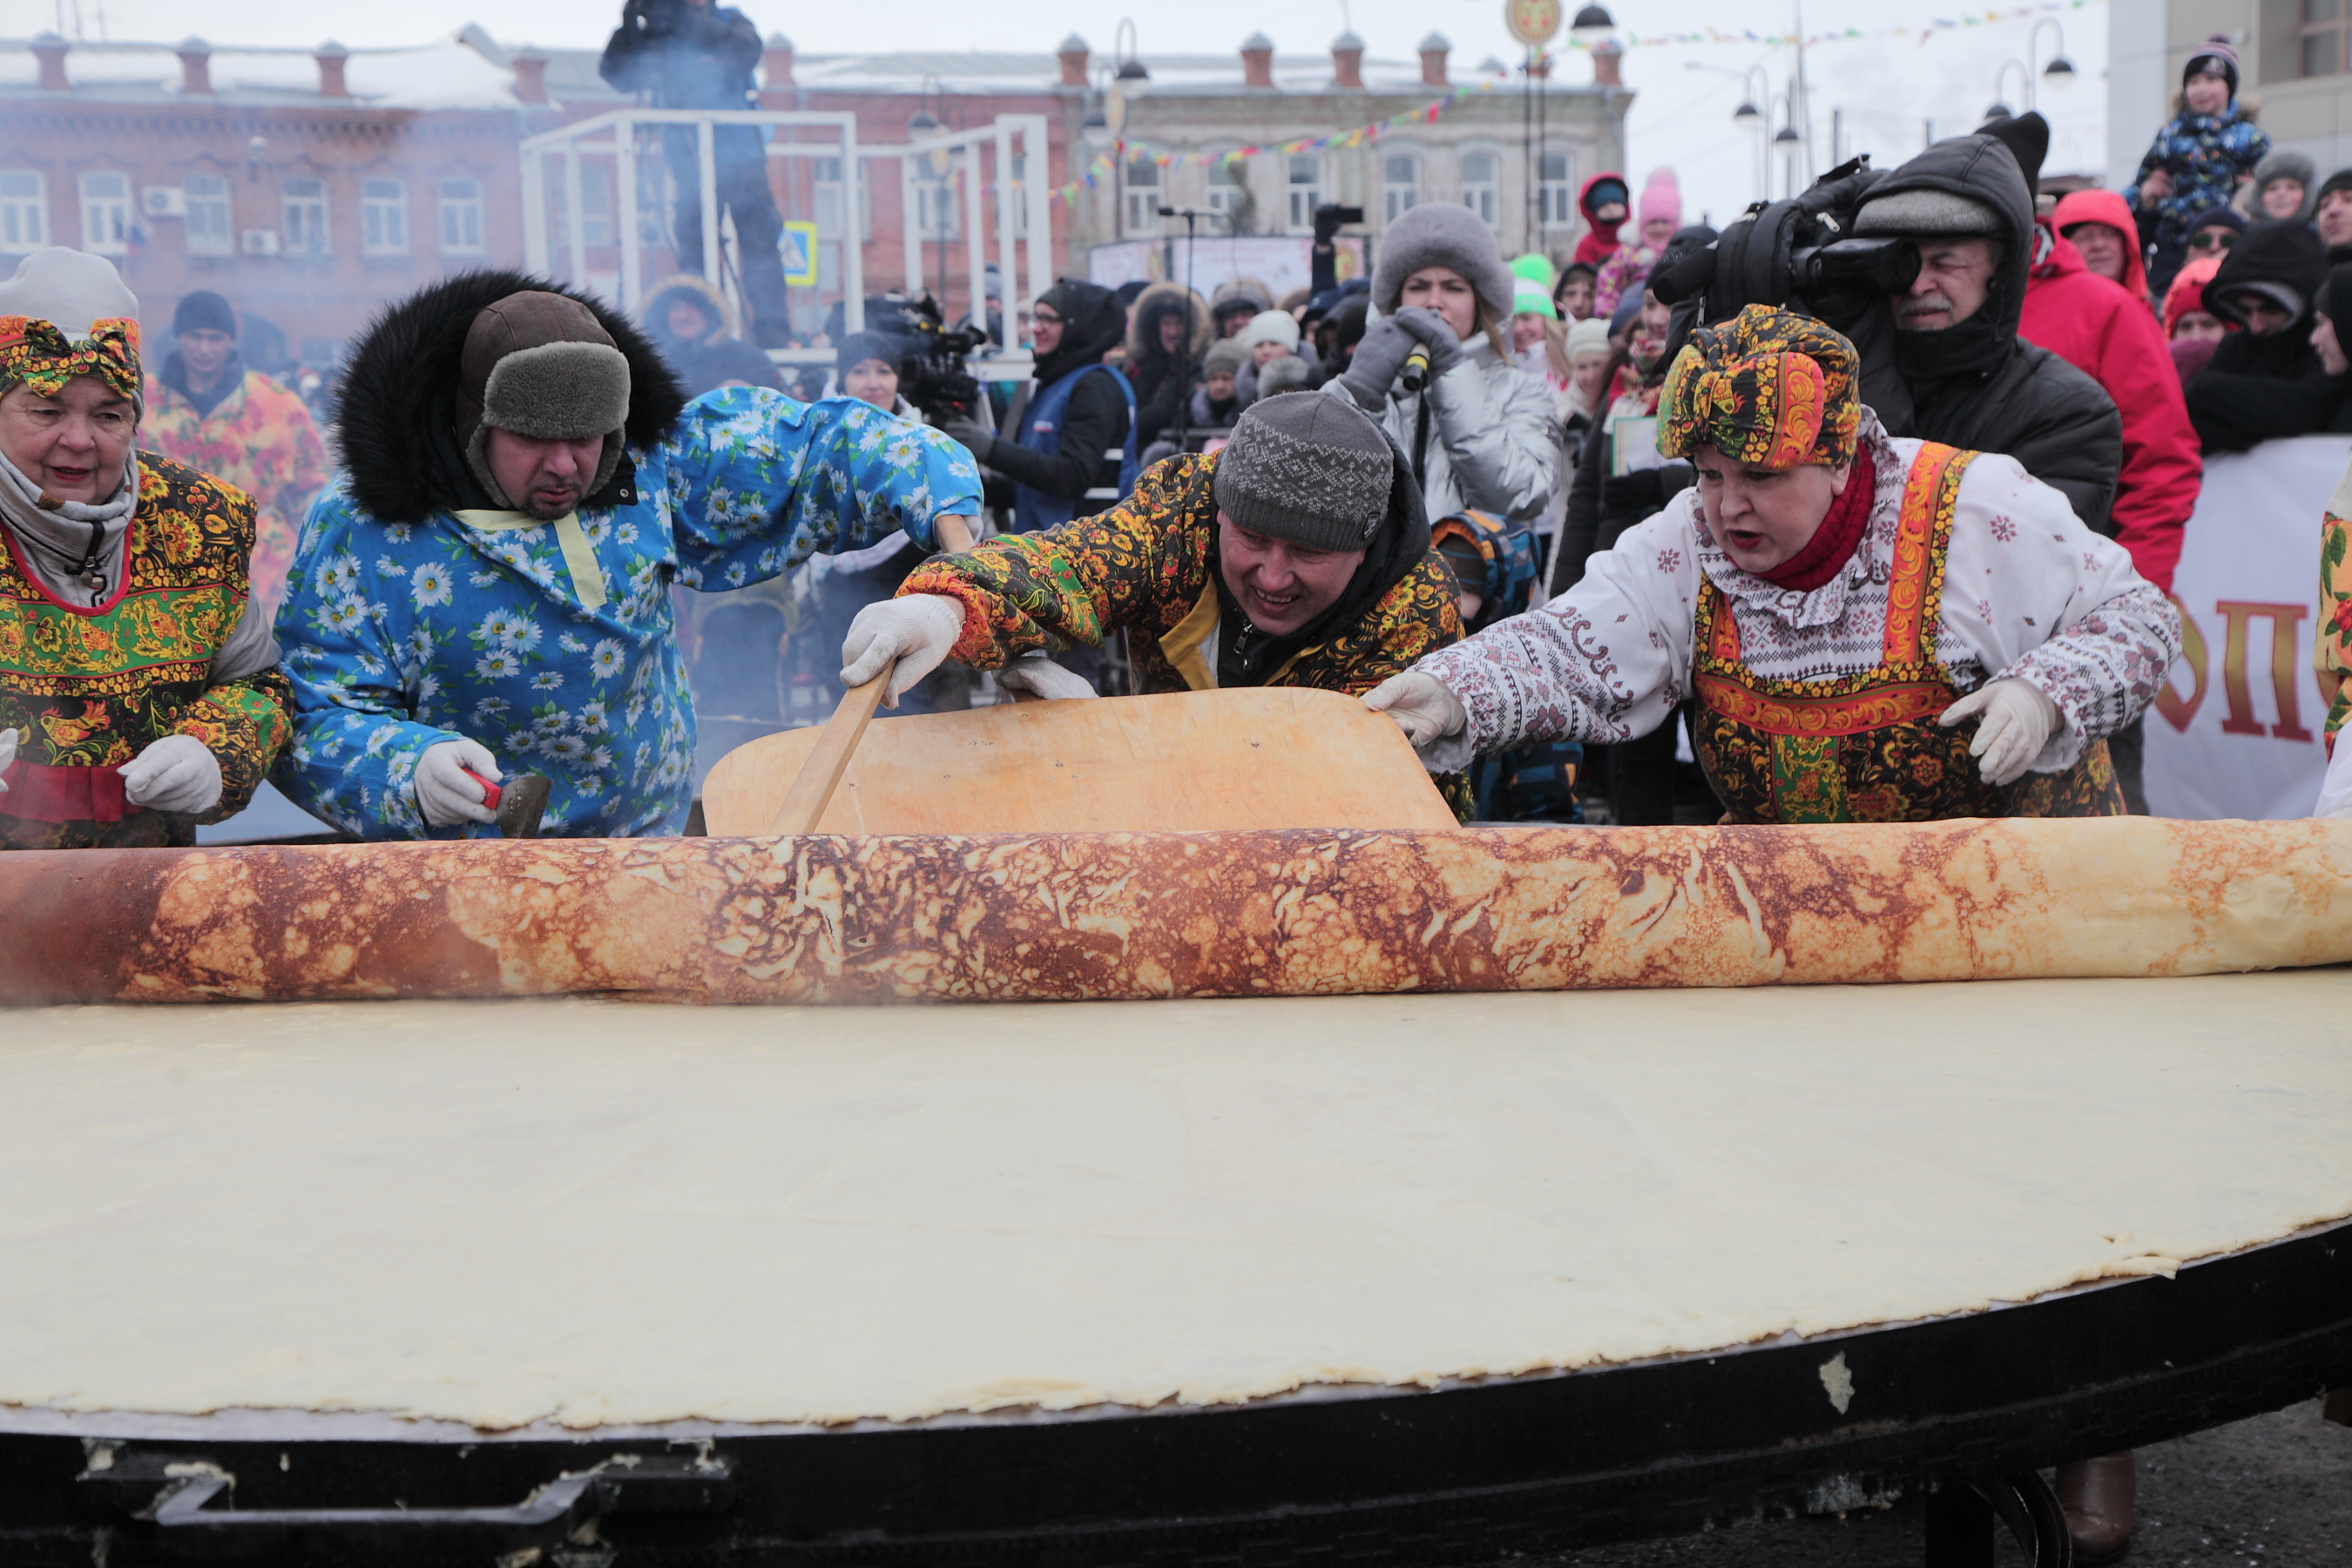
column 1479, row 431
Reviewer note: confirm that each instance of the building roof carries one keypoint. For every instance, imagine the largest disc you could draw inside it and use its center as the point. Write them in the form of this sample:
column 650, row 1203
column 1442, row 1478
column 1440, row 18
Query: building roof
column 471, row 70
column 448, row 73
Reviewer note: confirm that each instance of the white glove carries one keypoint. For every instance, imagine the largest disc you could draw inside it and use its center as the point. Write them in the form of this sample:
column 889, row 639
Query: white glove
column 1043, row 678
column 2335, row 792
column 8, row 754
column 917, row 630
column 1424, row 708
column 2018, row 722
column 178, row 772
column 445, row 794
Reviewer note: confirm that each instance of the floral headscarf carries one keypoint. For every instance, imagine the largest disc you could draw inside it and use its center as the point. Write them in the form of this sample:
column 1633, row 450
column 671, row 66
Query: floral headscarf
column 1770, row 388
column 41, row 356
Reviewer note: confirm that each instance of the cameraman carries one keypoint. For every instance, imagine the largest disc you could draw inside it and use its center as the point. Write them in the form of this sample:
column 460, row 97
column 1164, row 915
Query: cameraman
column 692, row 54
column 1974, row 384
column 1073, row 450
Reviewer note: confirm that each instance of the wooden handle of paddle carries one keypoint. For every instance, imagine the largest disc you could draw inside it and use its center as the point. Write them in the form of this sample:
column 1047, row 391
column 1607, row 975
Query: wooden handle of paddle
column 812, row 791
column 955, row 533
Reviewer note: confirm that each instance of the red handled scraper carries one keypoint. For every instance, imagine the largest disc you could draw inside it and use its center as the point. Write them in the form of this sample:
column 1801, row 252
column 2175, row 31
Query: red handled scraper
column 519, row 801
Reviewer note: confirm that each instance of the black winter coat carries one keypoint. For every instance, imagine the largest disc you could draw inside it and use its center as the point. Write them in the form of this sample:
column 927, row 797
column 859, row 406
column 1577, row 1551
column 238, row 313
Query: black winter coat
column 1978, row 385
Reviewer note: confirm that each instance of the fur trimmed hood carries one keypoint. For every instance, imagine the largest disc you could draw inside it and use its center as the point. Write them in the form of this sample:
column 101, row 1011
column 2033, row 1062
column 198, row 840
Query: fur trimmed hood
column 396, row 434
column 706, row 298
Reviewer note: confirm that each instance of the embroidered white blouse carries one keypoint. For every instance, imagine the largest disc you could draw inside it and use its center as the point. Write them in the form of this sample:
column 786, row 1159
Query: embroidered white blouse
column 2029, row 593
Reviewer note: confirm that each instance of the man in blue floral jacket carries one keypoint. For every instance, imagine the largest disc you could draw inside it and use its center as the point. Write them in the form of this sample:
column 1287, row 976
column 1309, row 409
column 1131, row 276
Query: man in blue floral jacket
column 487, row 584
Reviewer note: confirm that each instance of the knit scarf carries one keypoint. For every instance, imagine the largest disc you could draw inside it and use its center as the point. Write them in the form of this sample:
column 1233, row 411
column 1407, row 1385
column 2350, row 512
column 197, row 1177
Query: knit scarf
column 1834, row 542
column 54, row 536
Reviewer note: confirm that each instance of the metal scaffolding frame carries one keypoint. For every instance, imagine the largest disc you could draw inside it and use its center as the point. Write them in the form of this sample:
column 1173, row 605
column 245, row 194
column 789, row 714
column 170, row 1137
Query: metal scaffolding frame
column 615, row 135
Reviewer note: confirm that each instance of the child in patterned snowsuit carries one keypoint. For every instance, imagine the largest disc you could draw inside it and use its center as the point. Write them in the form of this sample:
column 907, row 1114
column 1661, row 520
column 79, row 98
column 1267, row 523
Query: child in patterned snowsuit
column 439, row 626
column 2198, row 160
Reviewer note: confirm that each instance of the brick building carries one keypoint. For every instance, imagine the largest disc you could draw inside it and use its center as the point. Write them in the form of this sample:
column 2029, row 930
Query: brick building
column 309, row 186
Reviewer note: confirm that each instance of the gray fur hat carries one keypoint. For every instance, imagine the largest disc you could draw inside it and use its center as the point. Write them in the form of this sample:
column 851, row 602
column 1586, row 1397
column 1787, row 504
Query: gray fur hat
column 541, row 364
column 1313, row 470
column 1921, row 213
column 1442, row 233
column 2284, row 164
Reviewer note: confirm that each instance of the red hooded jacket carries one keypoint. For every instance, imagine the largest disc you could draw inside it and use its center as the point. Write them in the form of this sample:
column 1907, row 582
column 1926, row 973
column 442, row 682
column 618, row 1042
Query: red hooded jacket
column 2106, row 207
column 1599, row 243
column 2096, row 326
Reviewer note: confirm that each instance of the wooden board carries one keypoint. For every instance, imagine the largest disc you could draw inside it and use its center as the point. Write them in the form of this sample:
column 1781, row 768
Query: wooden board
column 1267, row 757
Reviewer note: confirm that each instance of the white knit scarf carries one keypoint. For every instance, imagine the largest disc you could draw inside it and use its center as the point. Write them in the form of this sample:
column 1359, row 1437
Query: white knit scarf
column 54, row 535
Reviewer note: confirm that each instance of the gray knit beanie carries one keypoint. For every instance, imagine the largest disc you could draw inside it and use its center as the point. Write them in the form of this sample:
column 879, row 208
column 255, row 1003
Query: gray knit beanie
column 1313, row 470
column 1442, row 233
column 1226, row 354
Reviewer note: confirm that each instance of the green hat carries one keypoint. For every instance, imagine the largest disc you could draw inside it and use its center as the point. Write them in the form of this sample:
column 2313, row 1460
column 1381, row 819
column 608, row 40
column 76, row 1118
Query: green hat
column 1536, row 267
column 1533, row 299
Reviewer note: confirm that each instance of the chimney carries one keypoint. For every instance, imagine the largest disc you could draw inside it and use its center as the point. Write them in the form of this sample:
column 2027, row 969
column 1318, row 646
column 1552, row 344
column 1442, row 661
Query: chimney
column 1347, row 60
column 1606, row 54
column 1073, row 55
column 1257, row 60
column 50, row 50
column 529, row 77
column 195, row 67
column 331, row 56
column 1433, row 50
column 776, row 61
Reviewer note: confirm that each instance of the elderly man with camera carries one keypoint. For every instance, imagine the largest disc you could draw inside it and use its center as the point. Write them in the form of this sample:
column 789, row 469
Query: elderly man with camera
column 694, row 54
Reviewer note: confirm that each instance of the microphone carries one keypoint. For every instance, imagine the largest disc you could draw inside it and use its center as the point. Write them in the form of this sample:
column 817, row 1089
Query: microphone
column 1415, row 375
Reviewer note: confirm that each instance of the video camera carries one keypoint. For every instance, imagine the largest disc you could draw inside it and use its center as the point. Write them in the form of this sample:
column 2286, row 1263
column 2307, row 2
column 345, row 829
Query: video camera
column 933, row 377
column 1800, row 255
column 1796, row 254
column 1330, row 216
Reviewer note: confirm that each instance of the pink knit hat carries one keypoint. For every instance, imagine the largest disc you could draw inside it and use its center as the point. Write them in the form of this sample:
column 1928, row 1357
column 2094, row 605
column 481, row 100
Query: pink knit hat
column 1661, row 198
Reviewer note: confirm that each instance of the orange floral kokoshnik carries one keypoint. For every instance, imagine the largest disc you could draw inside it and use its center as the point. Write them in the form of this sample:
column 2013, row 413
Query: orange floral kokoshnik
column 1770, row 388
column 36, row 352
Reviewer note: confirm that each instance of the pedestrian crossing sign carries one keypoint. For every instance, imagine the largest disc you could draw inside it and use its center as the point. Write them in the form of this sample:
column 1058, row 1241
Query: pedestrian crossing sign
column 799, row 246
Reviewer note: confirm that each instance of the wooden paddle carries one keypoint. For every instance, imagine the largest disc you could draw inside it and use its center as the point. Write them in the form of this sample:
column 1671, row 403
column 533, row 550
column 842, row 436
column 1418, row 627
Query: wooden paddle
column 812, row 786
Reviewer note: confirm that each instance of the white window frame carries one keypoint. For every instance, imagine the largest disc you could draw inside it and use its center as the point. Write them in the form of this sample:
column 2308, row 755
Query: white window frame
column 1398, row 197
column 383, row 216
column 1483, row 197
column 309, row 217
column 461, row 215
column 24, row 211
column 1143, row 197
column 209, row 197
column 939, row 203
column 1555, row 198
column 105, row 214
column 827, row 187
column 1300, row 198
column 600, row 219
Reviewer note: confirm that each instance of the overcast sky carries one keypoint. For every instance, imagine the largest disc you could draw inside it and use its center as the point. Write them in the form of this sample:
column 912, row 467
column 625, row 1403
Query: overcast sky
column 1888, row 88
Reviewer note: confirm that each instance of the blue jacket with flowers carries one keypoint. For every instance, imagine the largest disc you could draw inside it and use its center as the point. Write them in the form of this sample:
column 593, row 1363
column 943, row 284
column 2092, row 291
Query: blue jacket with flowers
column 397, row 637
column 2205, row 155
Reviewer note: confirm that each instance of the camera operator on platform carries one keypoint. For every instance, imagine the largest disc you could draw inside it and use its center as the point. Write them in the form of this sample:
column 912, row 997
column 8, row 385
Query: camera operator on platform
column 693, row 53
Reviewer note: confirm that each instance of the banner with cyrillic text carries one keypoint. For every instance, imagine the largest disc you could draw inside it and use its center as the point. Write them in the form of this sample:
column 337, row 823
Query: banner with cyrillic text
column 2235, row 732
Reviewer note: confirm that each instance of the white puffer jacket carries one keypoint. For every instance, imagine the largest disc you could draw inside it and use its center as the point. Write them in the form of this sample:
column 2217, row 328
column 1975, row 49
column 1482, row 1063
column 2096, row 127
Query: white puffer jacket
column 1493, row 443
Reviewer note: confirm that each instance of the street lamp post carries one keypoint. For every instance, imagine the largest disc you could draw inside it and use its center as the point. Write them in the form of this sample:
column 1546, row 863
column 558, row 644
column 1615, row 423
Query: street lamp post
column 1788, row 139
column 1748, row 116
column 1998, row 108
